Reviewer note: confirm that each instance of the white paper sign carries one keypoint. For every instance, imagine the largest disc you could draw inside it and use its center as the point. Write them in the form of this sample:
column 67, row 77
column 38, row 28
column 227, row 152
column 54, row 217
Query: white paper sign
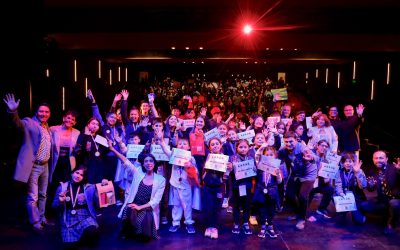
column 242, row 190
column 101, row 140
column 286, row 120
column 179, row 157
column 244, row 169
column 269, row 164
column 134, row 150
column 211, row 134
column 188, row 123
column 334, row 159
column 328, row 170
column 346, row 203
column 249, row 134
column 158, row 153
column 309, row 121
column 217, row 162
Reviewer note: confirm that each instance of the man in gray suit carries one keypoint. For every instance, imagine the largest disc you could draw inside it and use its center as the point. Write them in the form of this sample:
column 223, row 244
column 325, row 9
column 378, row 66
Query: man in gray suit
column 33, row 158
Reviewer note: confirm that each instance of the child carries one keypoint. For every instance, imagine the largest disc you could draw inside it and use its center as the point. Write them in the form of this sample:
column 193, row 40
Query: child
column 212, row 191
column 229, row 148
column 351, row 178
column 241, row 199
column 266, row 195
column 181, row 189
column 77, row 202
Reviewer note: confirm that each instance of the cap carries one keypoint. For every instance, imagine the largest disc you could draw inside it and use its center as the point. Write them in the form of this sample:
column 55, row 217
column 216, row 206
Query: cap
column 215, row 110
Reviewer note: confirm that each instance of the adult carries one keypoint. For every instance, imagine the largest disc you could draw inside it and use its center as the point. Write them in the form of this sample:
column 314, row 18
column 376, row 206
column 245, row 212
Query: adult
column 350, row 129
column 385, row 180
column 33, row 158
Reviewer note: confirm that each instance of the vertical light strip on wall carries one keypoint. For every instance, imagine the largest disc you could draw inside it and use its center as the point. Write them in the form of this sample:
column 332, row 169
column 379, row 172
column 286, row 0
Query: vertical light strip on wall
column 86, row 86
column 119, row 74
column 99, row 68
column 354, row 70
column 63, row 98
column 75, row 71
column 126, row 74
column 372, row 89
column 47, row 73
column 306, row 77
column 30, row 96
column 388, row 74
column 326, row 75
column 110, row 77
column 338, row 79
column 316, row 73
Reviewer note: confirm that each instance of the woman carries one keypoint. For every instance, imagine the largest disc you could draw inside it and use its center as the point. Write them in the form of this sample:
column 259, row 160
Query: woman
column 77, row 202
column 323, row 130
column 140, row 213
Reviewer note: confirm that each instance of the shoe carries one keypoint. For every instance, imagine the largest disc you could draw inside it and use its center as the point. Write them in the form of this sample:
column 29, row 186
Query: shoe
column 236, row 229
column 173, row 228
column 262, row 232
column 46, row 222
column 389, row 230
column 246, row 229
column 119, row 203
column 164, row 220
column 291, row 217
column 271, row 232
column 207, row 233
column 312, row 219
column 190, row 229
column 324, row 213
column 229, row 209
column 38, row 228
column 253, row 220
column 300, row 224
column 214, row 233
column 225, row 203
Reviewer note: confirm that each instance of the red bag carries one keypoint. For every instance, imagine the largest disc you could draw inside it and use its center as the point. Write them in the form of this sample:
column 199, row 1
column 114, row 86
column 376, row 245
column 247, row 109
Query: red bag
column 197, row 145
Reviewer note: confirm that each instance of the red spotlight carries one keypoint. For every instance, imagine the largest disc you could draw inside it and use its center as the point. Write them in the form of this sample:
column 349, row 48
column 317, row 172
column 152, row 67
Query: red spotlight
column 247, row 29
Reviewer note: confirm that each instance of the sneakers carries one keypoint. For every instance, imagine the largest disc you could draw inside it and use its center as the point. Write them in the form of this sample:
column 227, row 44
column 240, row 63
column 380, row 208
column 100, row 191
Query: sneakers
column 324, row 213
column 246, row 229
column 225, row 203
column 229, row 209
column 214, row 233
column 312, row 219
column 253, row 220
column 300, row 224
column 190, row 229
column 262, row 232
column 271, row 232
column 164, row 220
column 207, row 233
column 173, row 228
column 236, row 229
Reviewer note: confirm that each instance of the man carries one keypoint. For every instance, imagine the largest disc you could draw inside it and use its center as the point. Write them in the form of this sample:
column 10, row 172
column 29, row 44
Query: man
column 350, row 129
column 216, row 117
column 386, row 181
column 33, row 158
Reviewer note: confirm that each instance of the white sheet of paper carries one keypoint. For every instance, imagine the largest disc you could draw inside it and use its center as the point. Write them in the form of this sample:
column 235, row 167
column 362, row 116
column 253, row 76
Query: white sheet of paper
column 309, row 122
column 242, row 190
column 101, row 140
column 328, row 170
column 158, row 153
column 346, row 203
column 268, row 164
column 134, row 150
column 179, row 157
column 212, row 133
column 217, row 162
column 244, row 169
column 334, row 159
column 249, row 134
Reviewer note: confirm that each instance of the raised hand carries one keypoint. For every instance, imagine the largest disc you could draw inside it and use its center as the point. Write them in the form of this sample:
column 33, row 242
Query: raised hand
column 144, row 122
column 203, row 111
column 125, row 94
column 397, row 163
column 90, row 96
column 357, row 166
column 360, row 109
column 117, row 97
column 12, row 105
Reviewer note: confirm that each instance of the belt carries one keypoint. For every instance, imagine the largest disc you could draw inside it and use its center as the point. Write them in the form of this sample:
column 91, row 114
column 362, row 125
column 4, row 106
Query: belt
column 40, row 163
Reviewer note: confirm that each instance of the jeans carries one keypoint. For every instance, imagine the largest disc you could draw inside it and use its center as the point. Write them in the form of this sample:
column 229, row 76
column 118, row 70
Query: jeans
column 37, row 188
column 212, row 201
column 297, row 195
column 390, row 209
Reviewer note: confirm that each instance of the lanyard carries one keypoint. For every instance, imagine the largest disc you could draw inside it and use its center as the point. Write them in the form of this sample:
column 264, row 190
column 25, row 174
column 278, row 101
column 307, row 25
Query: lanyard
column 73, row 201
column 95, row 144
column 266, row 180
column 347, row 177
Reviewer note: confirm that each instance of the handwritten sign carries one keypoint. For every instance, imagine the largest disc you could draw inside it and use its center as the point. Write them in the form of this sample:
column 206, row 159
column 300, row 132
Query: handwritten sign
column 134, row 150
column 158, row 153
column 269, row 164
column 334, row 159
column 346, row 203
column 286, row 120
column 211, row 134
column 309, row 121
column 101, row 140
column 328, row 170
column 179, row 157
column 217, row 162
column 188, row 123
column 244, row 169
column 247, row 135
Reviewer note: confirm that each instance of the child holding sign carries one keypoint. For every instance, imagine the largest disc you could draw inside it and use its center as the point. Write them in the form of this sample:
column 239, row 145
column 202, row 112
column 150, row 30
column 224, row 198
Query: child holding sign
column 266, row 194
column 215, row 168
column 180, row 195
column 351, row 178
column 244, row 169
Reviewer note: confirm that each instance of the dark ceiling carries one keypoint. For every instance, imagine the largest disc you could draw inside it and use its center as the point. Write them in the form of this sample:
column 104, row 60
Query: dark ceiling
column 306, row 30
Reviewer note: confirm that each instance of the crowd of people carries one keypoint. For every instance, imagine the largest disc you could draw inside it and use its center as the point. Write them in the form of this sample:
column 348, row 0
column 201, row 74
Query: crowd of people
column 249, row 156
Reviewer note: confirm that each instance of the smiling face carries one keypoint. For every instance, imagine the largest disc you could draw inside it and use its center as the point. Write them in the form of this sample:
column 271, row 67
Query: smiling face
column 77, row 176
column 148, row 163
column 69, row 121
column 183, row 144
column 112, row 119
column 43, row 114
column 222, row 129
column 242, row 148
column 215, row 146
column 172, row 121
column 200, row 123
column 380, row 159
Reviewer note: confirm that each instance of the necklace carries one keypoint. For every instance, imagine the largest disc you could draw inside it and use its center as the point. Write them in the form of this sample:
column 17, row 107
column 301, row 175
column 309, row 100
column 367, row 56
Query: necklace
column 73, row 201
column 97, row 154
